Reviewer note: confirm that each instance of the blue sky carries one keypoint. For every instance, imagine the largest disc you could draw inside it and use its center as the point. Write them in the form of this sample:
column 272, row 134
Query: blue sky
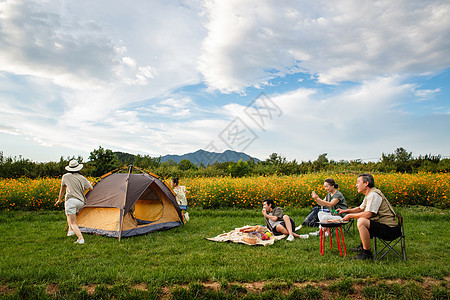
column 353, row 79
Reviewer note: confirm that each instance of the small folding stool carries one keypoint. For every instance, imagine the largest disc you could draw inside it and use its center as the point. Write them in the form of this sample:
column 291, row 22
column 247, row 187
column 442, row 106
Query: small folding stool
column 339, row 239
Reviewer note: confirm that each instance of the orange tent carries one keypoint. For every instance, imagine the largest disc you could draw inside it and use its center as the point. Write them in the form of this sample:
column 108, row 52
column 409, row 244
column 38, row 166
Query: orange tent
column 127, row 204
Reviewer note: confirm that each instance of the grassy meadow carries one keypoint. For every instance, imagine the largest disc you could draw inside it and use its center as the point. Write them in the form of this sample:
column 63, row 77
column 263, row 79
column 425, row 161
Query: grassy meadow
column 38, row 260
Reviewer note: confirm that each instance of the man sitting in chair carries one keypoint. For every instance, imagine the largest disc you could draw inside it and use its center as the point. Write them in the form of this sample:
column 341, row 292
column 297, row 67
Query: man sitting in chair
column 375, row 215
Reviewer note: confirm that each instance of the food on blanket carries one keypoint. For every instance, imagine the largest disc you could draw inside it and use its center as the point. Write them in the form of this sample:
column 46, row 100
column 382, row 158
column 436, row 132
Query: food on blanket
column 268, row 233
column 249, row 229
column 262, row 229
column 244, row 228
column 251, row 238
column 264, row 237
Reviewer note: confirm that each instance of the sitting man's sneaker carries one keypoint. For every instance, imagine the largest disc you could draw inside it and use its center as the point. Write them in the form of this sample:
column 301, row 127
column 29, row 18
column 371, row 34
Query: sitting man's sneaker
column 364, row 254
column 290, row 238
column 358, row 248
column 298, row 228
column 70, row 233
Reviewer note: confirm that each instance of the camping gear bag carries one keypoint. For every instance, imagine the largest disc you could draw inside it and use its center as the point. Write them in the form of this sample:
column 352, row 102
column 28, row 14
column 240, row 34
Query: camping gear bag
column 312, row 218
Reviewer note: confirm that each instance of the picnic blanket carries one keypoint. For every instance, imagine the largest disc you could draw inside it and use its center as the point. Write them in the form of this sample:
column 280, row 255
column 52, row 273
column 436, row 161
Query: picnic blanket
column 237, row 236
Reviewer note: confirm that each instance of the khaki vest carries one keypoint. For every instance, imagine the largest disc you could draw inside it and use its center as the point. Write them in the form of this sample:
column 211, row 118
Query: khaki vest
column 386, row 214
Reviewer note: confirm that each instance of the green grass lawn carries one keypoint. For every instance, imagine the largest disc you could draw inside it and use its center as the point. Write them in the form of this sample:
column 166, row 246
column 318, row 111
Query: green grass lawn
column 36, row 250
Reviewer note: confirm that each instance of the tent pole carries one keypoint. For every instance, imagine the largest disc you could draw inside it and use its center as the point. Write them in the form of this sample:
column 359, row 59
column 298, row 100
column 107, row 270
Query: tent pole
column 120, row 224
column 130, row 169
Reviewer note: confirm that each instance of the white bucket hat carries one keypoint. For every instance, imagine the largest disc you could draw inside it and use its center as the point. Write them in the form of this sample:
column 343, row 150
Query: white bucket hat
column 74, row 166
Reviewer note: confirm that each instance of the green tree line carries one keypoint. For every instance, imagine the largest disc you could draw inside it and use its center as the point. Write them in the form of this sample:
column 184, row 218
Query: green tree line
column 103, row 160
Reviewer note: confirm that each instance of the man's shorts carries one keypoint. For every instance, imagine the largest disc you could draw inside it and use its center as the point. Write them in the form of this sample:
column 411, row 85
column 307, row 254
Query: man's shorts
column 72, row 206
column 275, row 232
column 383, row 231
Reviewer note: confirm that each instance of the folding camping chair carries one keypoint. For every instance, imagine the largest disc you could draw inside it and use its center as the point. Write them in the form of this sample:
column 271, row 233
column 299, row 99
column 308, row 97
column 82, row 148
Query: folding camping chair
column 349, row 226
column 389, row 245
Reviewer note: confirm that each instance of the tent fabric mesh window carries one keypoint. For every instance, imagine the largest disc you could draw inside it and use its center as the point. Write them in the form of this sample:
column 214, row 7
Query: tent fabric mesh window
column 124, row 205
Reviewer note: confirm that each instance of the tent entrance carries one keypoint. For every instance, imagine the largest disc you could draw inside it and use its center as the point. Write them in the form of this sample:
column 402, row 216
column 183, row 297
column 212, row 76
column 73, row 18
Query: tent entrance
column 149, row 208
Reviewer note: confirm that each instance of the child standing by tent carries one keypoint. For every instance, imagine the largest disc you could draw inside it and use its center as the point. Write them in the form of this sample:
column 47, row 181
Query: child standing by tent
column 180, row 191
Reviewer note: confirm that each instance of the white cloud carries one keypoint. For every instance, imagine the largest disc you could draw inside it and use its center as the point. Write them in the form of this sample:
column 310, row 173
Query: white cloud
column 37, row 41
column 65, row 46
column 426, row 94
column 9, row 130
column 364, row 121
column 253, row 41
column 80, row 74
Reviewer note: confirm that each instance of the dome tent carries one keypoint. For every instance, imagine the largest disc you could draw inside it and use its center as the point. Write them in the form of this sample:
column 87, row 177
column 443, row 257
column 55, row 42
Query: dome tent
column 128, row 204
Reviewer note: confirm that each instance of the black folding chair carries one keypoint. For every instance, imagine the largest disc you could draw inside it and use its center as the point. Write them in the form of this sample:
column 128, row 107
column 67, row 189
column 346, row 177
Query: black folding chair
column 389, row 245
column 349, row 227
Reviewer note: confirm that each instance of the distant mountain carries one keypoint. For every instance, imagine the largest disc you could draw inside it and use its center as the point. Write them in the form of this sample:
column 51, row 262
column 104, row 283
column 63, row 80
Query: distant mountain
column 197, row 157
column 206, row 157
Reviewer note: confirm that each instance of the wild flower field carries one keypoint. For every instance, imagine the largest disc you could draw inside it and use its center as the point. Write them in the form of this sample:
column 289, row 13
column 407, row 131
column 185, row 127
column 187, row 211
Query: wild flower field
column 428, row 189
column 30, row 194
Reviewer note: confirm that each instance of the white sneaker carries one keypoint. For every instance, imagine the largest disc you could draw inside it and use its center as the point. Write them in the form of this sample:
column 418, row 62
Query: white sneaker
column 316, row 233
column 81, row 242
column 186, row 216
column 298, row 228
column 290, row 238
column 70, row 233
column 304, row 236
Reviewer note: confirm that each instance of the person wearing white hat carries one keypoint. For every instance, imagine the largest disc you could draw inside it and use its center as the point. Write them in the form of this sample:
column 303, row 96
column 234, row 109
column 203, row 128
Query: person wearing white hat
column 73, row 186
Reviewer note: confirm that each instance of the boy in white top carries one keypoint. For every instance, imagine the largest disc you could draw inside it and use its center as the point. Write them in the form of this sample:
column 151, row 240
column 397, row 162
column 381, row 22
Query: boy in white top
column 277, row 222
